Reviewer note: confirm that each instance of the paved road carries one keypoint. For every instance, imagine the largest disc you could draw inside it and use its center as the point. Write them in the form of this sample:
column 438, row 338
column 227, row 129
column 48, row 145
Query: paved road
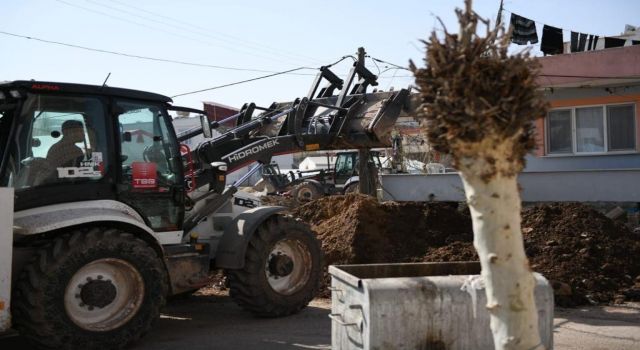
column 597, row 328
column 215, row 322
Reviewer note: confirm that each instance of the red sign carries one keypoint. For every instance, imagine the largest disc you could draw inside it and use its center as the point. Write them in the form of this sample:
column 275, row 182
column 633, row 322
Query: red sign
column 45, row 87
column 144, row 175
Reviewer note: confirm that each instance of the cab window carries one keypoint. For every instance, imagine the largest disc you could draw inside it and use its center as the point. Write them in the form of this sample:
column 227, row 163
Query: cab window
column 60, row 139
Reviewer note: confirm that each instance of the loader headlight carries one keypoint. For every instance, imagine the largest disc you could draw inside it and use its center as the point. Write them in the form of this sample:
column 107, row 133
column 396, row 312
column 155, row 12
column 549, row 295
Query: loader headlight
column 220, row 166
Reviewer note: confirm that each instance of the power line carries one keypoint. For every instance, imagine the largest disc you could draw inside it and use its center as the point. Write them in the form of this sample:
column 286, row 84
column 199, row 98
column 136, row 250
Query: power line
column 142, row 57
column 170, row 23
column 239, row 82
column 389, row 63
column 207, row 30
column 166, row 31
column 273, row 73
column 258, row 78
column 185, row 63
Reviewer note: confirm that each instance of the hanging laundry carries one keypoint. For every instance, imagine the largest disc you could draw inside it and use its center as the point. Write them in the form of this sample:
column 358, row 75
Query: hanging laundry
column 551, row 40
column 582, row 42
column 593, row 41
column 524, row 30
column 574, row 41
column 613, row 42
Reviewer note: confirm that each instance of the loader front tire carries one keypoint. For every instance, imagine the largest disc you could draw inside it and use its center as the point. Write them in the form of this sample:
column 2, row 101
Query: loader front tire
column 282, row 271
column 93, row 288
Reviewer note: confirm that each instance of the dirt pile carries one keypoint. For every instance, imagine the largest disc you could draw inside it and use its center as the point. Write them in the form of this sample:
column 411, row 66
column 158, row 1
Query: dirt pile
column 576, row 245
column 588, row 257
column 356, row 229
column 283, row 201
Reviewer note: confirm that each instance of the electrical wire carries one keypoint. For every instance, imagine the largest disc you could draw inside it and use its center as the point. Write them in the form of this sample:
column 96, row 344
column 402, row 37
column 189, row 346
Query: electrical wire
column 340, row 60
column 206, row 31
column 163, row 30
column 259, row 78
column 185, row 63
column 240, row 82
column 234, row 44
column 273, row 73
column 389, row 63
column 395, row 71
column 376, row 64
column 149, row 58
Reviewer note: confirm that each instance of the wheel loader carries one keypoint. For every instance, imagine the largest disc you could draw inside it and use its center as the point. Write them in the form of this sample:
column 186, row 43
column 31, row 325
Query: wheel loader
column 307, row 185
column 112, row 215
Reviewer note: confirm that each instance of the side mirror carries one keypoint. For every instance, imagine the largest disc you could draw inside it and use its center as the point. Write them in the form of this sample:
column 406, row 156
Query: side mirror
column 206, row 127
column 126, row 136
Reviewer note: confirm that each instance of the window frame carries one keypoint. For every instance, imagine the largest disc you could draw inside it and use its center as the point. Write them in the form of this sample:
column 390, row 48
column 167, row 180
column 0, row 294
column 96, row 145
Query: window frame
column 547, row 138
column 605, row 121
column 635, row 127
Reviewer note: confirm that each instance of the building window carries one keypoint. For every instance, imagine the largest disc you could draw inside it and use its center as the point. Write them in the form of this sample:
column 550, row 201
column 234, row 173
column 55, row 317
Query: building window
column 588, row 130
column 560, row 138
column 621, row 122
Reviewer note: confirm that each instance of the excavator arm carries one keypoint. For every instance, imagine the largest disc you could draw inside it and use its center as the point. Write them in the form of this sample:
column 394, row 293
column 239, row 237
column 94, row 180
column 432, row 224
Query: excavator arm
column 322, row 120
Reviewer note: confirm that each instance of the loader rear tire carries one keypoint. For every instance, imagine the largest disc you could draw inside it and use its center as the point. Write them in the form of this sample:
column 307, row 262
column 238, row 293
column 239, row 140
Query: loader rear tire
column 306, row 192
column 282, row 271
column 93, row 288
column 353, row 187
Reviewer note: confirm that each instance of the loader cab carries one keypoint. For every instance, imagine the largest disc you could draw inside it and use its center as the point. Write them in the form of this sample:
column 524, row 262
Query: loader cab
column 346, row 165
column 68, row 143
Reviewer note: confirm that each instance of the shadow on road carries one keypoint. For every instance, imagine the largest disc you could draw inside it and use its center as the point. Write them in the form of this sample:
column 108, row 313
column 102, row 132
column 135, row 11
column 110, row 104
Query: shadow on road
column 215, row 322
column 619, row 315
column 206, row 322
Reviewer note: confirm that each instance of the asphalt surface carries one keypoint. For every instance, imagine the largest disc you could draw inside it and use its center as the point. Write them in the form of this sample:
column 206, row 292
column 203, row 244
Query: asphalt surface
column 215, row 322
column 598, row 328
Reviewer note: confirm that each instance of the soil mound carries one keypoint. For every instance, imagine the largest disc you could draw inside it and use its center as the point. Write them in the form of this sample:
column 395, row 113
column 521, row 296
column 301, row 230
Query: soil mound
column 586, row 256
column 574, row 244
column 356, row 229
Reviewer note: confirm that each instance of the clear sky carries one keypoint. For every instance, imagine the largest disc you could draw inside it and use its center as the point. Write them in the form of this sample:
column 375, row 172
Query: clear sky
column 262, row 35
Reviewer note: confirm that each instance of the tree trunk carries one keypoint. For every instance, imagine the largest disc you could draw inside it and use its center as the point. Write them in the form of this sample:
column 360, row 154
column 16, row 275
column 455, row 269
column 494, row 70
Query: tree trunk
column 495, row 210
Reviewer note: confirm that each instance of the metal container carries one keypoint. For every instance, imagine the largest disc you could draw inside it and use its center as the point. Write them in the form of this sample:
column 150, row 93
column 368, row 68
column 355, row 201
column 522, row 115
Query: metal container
column 418, row 306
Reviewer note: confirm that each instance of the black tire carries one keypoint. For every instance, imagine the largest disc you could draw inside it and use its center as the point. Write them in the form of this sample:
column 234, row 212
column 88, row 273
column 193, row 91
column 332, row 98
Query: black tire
column 252, row 287
column 306, row 192
column 44, row 310
column 353, row 187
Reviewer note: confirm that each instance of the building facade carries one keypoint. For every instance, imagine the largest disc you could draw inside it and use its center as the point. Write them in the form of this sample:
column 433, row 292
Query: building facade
column 594, row 117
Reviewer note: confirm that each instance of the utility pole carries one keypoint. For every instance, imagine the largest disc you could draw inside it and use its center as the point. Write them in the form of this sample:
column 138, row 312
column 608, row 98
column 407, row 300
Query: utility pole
column 366, row 168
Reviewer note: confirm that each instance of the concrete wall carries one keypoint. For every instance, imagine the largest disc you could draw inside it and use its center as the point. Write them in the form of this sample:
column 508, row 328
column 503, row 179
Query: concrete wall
column 580, row 68
column 622, row 161
column 556, row 186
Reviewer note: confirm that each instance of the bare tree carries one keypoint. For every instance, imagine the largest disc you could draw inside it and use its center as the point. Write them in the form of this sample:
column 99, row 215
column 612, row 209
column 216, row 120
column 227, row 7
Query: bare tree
column 480, row 104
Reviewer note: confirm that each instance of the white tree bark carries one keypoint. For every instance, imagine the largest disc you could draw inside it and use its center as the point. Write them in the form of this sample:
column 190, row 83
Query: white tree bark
column 495, row 210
